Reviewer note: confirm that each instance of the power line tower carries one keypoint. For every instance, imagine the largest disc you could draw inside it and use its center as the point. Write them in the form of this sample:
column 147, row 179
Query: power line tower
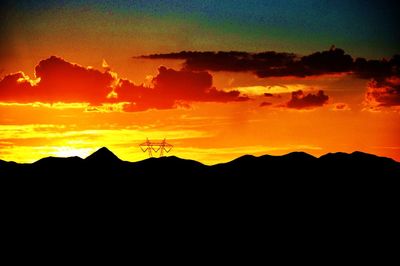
column 150, row 147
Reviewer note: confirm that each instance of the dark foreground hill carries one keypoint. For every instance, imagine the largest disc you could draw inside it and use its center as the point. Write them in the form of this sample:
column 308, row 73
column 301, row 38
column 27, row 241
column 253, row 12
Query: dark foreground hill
column 294, row 166
column 331, row 197
column 288, row 184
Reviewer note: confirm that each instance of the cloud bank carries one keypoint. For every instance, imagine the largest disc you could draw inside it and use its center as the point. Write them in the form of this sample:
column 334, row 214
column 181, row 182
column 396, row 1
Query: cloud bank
column 57, row 80
column 382, row 90
column 281, row 64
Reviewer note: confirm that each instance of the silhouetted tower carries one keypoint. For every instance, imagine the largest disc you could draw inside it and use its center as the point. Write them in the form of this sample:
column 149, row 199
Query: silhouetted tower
column 147, row 148
column 151, row 147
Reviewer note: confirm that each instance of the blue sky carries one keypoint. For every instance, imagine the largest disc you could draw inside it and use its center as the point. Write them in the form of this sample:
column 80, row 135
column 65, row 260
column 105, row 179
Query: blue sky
column 363, row 28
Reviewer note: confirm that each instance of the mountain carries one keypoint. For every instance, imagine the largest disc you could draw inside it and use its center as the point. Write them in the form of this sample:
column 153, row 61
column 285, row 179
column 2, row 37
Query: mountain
column 103, row 155
column 296, row 165
column 289, row 186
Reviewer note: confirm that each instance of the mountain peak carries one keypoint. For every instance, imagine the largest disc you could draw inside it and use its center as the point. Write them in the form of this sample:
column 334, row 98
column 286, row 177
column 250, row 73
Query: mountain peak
column 299, row 155
column 103, row 155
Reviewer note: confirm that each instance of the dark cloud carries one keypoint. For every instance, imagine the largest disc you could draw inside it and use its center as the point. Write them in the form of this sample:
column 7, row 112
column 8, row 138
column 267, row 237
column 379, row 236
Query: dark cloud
column 300, row 100
column 60, row 81
column 266, row 94
column 275, row 64
column 228, row 61
column 383, row 93
column 327, row 62
column 377, row 69
column 384, row 88
column 332, row 61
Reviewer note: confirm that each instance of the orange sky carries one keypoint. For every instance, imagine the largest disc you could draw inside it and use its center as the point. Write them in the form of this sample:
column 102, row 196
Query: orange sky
column 210, row 132
column 77, row 78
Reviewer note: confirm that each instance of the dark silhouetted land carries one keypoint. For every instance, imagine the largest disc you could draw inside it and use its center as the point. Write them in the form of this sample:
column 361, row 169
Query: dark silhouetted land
column 293, row 166
column 333, row 196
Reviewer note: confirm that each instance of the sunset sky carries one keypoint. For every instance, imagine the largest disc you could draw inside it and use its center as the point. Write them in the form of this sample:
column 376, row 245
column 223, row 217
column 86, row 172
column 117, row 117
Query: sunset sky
column 217, row 79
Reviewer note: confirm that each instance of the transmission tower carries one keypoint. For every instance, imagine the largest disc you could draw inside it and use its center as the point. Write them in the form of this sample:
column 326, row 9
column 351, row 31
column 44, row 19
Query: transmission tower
column 150, row 147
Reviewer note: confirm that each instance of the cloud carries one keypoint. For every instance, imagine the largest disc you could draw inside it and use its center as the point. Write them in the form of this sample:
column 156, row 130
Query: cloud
column 172, row 88
column 377, row 69
column 57, row 80
column 63, row 81
column 300, row 100
column 381, row 90
column 16, row 87
column 105, row 65
column 227, row 61
column 281, row 64
column 384, row 93
column 264, row 64
column 341, row 107
column 332, row 61
column 327, row 62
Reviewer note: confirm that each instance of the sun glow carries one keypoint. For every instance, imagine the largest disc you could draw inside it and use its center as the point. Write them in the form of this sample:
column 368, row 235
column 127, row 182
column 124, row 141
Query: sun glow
column 275, row 89
column 65, row 151
column 26, row 78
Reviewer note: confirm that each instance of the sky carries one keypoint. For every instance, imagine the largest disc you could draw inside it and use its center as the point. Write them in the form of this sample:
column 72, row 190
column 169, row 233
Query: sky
column 217, row 79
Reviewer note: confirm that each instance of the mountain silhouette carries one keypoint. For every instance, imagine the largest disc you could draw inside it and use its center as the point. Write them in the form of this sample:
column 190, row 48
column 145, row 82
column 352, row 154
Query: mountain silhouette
column 295, row 168
column 298, row 165
column 103, row 155
column 289, row 186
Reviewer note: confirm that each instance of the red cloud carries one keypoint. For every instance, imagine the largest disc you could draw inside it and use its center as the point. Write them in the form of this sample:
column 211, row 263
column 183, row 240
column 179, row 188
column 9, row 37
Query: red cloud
column 57, row 81
column 16, row 87
column 300, row 100
column 60, row 81
column 63, row 81
column 191, row 86
column 384, row 93
column 172, row 87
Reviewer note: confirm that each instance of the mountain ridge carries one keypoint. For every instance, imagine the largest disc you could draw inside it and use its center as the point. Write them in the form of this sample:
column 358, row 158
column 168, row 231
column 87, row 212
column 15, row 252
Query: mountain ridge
column 104, row 162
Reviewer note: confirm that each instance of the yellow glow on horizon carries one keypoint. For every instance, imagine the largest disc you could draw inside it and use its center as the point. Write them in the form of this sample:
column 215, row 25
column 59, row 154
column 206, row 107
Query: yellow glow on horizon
column 66, row 151
column 275, row 89
column 56, row 105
